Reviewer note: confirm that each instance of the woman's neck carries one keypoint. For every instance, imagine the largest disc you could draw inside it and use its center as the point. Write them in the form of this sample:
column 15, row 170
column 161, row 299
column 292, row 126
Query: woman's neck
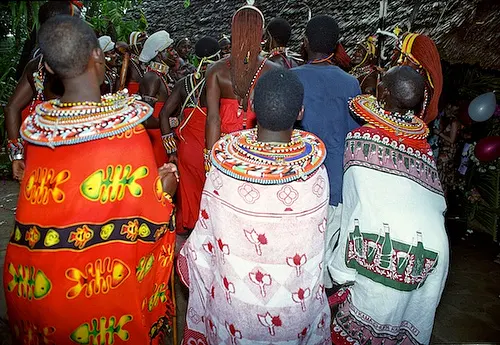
column 81, row 89
column 267, row 136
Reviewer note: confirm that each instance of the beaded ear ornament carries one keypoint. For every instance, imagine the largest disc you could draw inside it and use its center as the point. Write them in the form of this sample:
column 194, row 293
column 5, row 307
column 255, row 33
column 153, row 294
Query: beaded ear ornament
column 55, row 123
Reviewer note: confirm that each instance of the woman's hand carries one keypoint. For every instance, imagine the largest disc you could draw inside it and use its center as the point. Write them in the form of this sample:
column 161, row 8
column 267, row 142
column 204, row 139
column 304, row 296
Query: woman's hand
column 169, row 176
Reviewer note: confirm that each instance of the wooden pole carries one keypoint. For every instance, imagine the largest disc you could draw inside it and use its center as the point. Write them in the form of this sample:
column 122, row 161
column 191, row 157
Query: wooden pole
column 381, row 25
column 124, row 70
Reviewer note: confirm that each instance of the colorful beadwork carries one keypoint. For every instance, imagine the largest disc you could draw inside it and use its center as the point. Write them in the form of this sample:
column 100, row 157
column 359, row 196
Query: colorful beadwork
column 359, row 72
column 402, row 125
column 241, row 156
column 169, row 144
column 54, row 123
column 207, row 160
column 161, row 70
column 15, row 149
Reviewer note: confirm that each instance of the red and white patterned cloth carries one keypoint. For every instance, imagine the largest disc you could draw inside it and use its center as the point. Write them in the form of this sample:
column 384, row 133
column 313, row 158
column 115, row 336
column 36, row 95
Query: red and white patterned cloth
column 254, row 263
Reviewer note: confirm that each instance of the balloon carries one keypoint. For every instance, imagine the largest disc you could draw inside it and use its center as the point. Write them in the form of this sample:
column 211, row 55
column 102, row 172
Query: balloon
column 482, row 107
column 488, row 149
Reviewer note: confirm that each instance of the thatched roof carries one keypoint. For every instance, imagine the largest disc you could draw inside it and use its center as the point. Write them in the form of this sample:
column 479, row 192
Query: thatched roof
column 466, row 31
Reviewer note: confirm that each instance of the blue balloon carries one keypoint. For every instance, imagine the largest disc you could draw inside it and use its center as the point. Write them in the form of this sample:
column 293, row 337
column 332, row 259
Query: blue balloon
column 482, row 107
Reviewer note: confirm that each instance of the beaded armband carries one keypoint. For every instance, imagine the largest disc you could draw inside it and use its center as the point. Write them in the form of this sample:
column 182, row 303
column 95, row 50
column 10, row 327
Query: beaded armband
column 208, row 162
column 173, row 121
column 149, row 99
column 169, row 143
column 15, row 149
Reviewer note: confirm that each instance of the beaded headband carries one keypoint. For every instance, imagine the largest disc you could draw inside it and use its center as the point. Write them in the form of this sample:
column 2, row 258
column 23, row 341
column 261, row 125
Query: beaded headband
column 251, row 7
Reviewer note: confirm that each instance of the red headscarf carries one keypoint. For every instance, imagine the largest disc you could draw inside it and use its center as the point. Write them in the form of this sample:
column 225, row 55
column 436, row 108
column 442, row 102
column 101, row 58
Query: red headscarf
column 341, row 58
column 422, row 52
column 77, row 3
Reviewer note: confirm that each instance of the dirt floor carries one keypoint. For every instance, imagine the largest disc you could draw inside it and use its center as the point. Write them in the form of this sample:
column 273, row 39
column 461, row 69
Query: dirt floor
column 470, row 307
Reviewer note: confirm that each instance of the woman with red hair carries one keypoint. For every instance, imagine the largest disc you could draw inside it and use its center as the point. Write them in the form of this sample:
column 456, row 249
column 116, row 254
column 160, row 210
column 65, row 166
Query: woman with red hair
column 420, row 52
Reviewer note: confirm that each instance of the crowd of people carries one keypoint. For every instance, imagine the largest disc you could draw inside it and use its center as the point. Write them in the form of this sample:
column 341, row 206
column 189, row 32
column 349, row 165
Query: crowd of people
column 296, row 193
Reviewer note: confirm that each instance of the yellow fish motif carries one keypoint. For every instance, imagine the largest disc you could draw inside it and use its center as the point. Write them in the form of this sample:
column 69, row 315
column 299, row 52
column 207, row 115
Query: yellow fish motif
column 30, row 284
column 166, row 255
column 107, row 230
column 144, row 230
column 159, row 295
column 144, row 266
column 102, row 331
column 51, row 238
column 43, row 183
column 98, row 277
column 111, row 185
column 81, row 236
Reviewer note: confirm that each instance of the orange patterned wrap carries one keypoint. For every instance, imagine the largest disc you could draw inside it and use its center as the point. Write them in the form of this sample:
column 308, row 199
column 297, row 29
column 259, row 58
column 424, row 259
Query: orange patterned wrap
column 91, row 255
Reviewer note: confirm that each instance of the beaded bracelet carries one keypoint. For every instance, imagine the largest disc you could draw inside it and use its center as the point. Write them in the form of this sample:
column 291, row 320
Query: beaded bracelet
column 167, row 197
column 208, row 162
column 149, row 99
column 173, row 121
column 15, row 149
column 169, row 143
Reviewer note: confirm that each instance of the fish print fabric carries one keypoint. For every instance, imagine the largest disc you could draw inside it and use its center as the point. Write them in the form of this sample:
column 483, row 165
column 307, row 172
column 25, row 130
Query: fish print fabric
column 91, row 254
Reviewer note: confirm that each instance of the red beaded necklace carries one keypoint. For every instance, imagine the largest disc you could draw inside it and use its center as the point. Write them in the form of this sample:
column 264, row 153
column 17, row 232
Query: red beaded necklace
column 408, row 129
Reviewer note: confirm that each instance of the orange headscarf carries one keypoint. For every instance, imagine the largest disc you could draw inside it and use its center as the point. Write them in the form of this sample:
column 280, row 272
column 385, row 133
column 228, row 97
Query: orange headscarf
column 422, row 52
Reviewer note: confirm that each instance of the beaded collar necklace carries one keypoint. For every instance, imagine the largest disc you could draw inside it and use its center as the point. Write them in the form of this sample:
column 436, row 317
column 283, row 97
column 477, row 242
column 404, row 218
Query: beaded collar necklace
column 241, row 156
column 402, row 125
column 55, row 123
column 161, row 70
column 158, row 67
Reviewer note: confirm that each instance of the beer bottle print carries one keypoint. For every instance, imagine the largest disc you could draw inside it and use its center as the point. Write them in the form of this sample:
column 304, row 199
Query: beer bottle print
column 358, row 239
column 418, row 266
column 386, row 255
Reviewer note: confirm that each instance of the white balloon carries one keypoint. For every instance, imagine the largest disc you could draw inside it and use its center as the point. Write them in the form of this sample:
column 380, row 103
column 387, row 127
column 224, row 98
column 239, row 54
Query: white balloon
column 482, row 107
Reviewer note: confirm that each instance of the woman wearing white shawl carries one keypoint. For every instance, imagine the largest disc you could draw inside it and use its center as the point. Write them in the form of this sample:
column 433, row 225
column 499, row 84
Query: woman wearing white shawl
column 393, row 247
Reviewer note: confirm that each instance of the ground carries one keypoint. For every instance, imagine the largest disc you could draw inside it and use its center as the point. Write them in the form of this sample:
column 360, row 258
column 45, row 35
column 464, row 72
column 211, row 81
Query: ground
column 469, row 311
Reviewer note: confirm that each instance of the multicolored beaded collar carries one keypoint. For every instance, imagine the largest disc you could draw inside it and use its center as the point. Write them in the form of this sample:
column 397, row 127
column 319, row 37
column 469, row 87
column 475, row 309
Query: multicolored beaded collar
column 54, row 123
column 404, row 126
column 242, row 157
